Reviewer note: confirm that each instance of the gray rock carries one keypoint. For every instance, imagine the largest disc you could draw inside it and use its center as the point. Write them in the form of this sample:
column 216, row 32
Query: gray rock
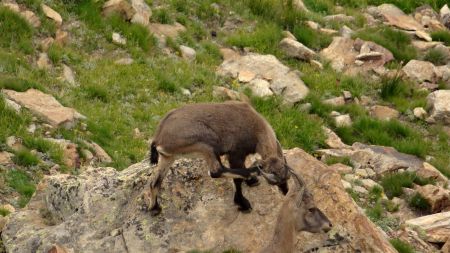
column 260, row 88
column 439, row 105
column 187, row 53
column 420, row 113
column 343, row 120
column 421, row 71
column 383, row 112
column 118, row 39
column 295, row 49
column 360, row 190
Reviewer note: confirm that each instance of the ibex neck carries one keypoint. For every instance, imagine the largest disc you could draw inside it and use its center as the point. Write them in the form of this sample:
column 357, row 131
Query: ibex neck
column 267, row 144
column 283, row 240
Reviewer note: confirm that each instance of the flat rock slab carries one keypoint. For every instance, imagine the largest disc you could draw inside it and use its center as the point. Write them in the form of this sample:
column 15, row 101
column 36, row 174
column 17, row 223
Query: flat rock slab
column 435, row 226
column 379, row 158
column 100, row 211
column 44, row 106
column 396, row 17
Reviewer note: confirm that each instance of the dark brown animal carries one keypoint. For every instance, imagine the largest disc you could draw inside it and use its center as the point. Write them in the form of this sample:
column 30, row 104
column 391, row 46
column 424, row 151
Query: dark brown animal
column 211, row 130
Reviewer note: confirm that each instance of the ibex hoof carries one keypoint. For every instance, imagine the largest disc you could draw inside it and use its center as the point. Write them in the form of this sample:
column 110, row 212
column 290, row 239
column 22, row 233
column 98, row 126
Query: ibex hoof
column 155, row 210
column 245, row 210
column 252, row 182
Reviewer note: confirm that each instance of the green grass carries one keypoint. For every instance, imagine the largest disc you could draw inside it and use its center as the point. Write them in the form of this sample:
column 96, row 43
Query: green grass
column 22, row 183
column 385, row 133
column 441, row 35
column 40, row 144
column 436, row 56
column 375, row 212
column 393, row 183
column 25, row 158
column 264, row 39
column 401, row 246
column 311, row 38
column 11, row 122
column 4, row 212
column 334, row 159
column 16, row 32
column 18, row 84
column 162, row 15
column 419, row 203
column 402, row 94
column 293, row 128
column 399, row 43
column 55, row 53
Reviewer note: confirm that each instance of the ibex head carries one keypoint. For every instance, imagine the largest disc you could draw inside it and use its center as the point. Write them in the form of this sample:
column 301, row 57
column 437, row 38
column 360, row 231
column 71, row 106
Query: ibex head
column 275, row 170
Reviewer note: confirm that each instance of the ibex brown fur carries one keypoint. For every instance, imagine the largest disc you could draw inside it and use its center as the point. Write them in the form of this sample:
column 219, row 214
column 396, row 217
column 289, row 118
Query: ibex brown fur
column 298, row 213
column 211, row 130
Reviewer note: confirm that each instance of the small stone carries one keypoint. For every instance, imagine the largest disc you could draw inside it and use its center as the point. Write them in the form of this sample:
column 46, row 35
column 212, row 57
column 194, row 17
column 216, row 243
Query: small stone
column 370, row 172
column 359, row 63
column 46, row 43
column 14, row 143
column 306, row 107
column 8, row 207
column 420, row 113
column 341, row 168
column 118, row 39
column 343, row 120
column 437, row 197
column 332, row 139
column 58, row 249
column 295, row 49
column 369, row 183
column 61, row 37
column 52, row 14
column 423, row 35
column 313, row 25
column 3, row 221
column 346, row 32
column 43, row 61
column 137, row 133
column 226, row 93
column 328, row 31
column 32, row 18
column 187, row 53
column 246, row 76
column 124, row 61
column 369, row 56
column 316, row 64
column 88, row 156
column 68, row 74
column 365, row 48
column 229, row 54
column 383, row 112
column 6, row 158
column 186, row 92
column 336, row 101
column 31, row 128
column 334, row 114
column 347, row 95
column 116, row 232
column 13, row 105
column 100, row 153
column 346, row 184
column 360, row 189
column 289, row 35
column 361, row 173
column 350, row 177
column 260, row 88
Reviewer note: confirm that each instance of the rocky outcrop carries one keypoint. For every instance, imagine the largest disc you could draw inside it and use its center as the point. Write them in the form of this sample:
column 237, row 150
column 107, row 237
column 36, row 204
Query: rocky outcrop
column 437, row 197
column 439, row 105
column 282, row 80
column 355, row 56
column 436, row 226
column 44, row 106
column 100, row 210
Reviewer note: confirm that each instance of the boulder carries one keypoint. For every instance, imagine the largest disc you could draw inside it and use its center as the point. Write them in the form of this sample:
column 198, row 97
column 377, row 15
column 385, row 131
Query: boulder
column 380, row 159
column 137, row 11
column 396, row 17
column 439, row 105
column 52, row 14
column 166, row 30
column 187, row 53
column 100, row 210
column 100, row 153
column 430, row 172
column 436, row 227
column 332, row 139
column 343, row 120
column 383, row 112
column 343, row 52
column 68, row 75
column 227, row 94
column 6, row 158
column 283, row 81
column 44, row 106
column 428, row 18
column 295, row 49
column 436, row 196
column 421, row 71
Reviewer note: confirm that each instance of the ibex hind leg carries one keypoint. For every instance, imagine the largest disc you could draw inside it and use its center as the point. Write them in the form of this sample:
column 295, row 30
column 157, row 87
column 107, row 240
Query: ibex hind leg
column 239, row 199
column 156, row 180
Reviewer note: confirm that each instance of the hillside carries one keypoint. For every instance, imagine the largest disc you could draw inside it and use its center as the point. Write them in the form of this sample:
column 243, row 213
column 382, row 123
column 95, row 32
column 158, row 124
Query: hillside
column 361, row 85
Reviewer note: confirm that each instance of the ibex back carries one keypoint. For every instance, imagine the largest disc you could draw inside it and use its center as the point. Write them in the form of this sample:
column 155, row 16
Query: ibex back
column 211, row 130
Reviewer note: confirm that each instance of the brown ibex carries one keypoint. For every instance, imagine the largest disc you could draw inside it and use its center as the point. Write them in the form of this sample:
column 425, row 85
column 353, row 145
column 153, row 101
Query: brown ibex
column 297, row 213
column 211, row 130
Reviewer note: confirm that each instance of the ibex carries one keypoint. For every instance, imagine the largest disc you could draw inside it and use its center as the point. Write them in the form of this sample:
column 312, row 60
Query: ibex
column 211, row 130
column 297, row 213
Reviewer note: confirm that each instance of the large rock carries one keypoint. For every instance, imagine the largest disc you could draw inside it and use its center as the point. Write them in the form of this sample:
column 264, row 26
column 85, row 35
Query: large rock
column 343, row 52
column 282, row 80
column 437, row 197
column 428, row 171
column 52, row 14
column 100, row 211
column 295, row 49
column 436, row 227
column 383, row 112
column 421, row 71
column 396, row 17
column 379, row 158
column 137, row 11
column 166, row 30
column 44, row 106
column 439, row 104
column 6, row 158
column 445, row 16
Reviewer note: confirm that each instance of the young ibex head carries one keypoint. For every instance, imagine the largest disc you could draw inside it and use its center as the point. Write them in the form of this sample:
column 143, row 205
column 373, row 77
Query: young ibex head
column 275, row 170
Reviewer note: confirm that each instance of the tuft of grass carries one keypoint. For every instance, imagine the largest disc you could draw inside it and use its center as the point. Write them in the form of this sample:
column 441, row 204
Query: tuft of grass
column 393, row 87
column 55, row 53
column 398, row 42
column 293, row 128
column 401, row 246
column 393, row 183
column 40, row 144
column 162, row 15
column 402, row 94
column 375, row 212
column 420, row 203
column 264, row 39
column 436, row 56
column 22, row 183
column 441, row 35
column 4, row 212
column 334, row 159
column 311, row 38
column 16, row 31
column 96, row 92
column 18, row 84
column 375, row 193
column 24, row 157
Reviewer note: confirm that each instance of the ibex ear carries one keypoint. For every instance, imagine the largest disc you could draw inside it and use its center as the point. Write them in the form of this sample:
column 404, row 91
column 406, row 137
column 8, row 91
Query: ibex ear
column 279, row 149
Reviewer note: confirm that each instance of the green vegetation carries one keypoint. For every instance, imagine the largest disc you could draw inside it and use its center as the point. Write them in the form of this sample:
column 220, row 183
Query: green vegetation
column 18, row 84
column 22, row 183
column 398, row 42
column 393, row 183
column 420, row 203
column 162, row 16
column 4, row 212
column 311, row 38
column 442, row 35
column 401, row 246
column 16, row 31
column 334, row 159
column 402, row 94
column 436, row 56
column 24, row 157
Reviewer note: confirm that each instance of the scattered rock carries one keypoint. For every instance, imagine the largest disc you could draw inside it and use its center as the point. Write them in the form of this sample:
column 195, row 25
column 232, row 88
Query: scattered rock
column 350, row 177
column 343, row 53
column 333, row 140
column 32, row 18
column 228, row 94
column 229, row 54
column 313, row 25
column 383, row 112
column 343, row 120
column 124, row 61
column 9, row 208
column 246, row 76
column 100, row 153
column 58, row 249
column 360, row 190
column 346, row 32
column 70, row 153
column 14, row 143
column 346, row 184
column 295, row 49
column 437, row 197
column 45, row 106
column 68, row 75
column 341, row 18
column 420, row 113
column 118, row 39
column 369, row 56
column 166, row 30
column 186, row 92
column 3, row 221
column 423, row 35
column 424, row 46
column 341, row 168
column 445, row 16
column 142, row 12
column 289, row 35
column 429, row 171
column 6, row 158
column 43, row 62
column 428, row 18
column 316, row 64
column 369, row 183
column 13, row 105
column 439, row 105
column 187, row 53
column 362, row 173
column 420, row 71
column 282, row 80
column 396, row 17
column 336, row 101
column 260, row 88
column 137, row 133
column 328, row 31
column 52, row 14
column 436, row 227
column 122, row 7
column 347, row 96
column 31, row 128
column 46, row 43
column 61, row 37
